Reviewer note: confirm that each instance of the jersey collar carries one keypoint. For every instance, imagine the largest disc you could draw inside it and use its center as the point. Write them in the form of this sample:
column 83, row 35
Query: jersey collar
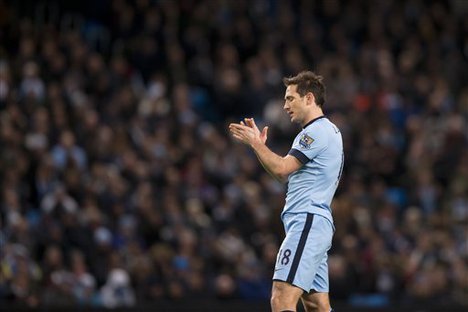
column 312, row 121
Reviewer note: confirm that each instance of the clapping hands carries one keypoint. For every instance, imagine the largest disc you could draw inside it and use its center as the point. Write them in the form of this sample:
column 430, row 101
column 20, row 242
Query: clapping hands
column 248, row 133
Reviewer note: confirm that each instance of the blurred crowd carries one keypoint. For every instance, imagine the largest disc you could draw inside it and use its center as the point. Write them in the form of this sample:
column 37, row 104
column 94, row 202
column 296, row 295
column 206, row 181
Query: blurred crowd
column 120, row 184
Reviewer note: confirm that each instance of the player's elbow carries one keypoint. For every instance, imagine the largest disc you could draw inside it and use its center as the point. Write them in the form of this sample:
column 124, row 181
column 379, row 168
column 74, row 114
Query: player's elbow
column 283, row 177
column 280, row 178
column 277, row 176
column 282, row 174
column 286, row 166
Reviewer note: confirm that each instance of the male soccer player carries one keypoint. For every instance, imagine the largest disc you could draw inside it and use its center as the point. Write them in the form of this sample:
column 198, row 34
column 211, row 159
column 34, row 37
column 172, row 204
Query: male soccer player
column 312, row 167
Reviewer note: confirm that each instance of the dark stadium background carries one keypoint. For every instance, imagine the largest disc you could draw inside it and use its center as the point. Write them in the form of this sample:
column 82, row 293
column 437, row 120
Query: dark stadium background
column 120, row 186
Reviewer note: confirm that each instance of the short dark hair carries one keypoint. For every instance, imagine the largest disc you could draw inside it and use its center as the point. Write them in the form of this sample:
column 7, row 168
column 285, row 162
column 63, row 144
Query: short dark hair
column 308, row 81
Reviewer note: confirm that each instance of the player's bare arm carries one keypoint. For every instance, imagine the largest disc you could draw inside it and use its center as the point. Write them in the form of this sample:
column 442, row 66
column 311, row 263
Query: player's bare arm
column 248, row 133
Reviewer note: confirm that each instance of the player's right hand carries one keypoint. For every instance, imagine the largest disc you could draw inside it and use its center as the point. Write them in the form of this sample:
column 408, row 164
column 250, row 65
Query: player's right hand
column 247, row 132
column 250, row 122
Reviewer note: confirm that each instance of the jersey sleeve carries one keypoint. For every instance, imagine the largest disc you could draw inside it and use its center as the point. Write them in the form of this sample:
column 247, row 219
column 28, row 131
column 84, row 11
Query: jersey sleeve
column 308, row 144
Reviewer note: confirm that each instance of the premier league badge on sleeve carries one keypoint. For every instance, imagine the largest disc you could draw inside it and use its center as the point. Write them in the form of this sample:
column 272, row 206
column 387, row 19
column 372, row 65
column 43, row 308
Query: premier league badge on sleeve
column 305, row 141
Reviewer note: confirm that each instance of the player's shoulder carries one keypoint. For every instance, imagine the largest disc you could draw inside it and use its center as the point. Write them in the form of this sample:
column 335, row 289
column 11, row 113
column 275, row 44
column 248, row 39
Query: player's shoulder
column 322, row 131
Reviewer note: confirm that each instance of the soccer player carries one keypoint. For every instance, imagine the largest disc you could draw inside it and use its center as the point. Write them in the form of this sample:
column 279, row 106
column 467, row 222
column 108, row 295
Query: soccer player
column 312, row 168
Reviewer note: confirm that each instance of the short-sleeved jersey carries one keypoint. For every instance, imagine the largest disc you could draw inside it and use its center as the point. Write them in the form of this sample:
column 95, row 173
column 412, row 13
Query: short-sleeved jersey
column 319, row 147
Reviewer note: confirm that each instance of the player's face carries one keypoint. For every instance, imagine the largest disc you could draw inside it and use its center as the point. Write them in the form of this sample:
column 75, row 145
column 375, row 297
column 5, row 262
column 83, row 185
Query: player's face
column 294, row 104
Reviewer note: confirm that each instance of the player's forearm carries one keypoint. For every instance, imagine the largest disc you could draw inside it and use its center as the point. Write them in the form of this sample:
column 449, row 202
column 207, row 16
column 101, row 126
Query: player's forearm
column 272, row 162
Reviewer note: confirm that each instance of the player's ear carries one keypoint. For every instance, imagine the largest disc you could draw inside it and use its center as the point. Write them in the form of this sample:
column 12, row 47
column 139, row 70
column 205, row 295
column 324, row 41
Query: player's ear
column 310, row 98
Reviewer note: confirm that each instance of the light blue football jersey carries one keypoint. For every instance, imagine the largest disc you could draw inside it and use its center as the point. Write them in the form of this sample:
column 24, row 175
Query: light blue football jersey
column 319, row 147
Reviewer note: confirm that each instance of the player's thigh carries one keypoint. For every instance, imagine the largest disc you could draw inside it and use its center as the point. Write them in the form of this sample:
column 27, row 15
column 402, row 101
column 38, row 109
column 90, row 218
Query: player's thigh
column 316, row 301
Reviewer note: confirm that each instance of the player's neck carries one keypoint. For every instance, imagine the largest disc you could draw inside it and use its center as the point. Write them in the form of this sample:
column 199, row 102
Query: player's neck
column 314, row 114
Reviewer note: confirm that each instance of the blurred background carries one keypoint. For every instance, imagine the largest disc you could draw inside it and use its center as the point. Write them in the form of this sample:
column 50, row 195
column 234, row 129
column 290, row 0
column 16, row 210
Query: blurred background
column 120, row 187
